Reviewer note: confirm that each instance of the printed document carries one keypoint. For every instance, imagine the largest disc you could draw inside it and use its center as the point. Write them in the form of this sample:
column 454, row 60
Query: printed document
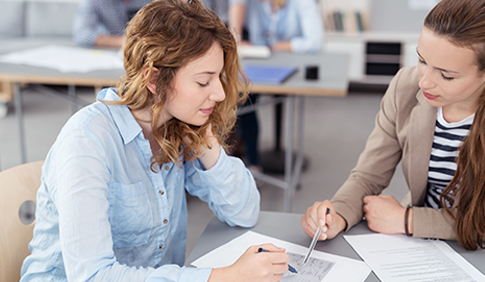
column 399, row 258
column 320, row 267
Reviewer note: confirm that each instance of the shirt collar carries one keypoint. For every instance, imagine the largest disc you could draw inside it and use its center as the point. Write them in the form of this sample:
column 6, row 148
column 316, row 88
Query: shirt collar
column 122, row 116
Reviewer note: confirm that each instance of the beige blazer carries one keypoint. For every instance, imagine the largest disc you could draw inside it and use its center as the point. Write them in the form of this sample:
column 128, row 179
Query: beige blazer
column 403, row 131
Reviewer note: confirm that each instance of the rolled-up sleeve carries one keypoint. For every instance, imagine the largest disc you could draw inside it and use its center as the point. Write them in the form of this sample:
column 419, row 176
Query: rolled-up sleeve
column 229, row 189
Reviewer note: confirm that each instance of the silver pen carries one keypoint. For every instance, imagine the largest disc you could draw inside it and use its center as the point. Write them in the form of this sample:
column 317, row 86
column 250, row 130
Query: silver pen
column 314, row 240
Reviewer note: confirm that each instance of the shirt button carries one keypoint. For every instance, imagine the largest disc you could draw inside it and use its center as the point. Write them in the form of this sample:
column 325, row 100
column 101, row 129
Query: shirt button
column 161, row 192
column 160, row 246
column 167, row 167
column 165, row 221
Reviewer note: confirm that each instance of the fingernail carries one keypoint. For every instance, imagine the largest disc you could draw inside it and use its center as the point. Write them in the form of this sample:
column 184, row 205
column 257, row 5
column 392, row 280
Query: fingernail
column 321, row 222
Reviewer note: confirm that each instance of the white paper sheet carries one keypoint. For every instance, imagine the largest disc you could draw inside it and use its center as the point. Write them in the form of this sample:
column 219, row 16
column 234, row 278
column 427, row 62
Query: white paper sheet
column 321, row 266
column 254, row 51
column 399, row 258
column 66, row 59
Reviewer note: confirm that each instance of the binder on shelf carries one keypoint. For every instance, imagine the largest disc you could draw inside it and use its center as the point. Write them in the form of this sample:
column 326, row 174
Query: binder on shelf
column 268, row 74
column 360, row 22
column 338, row 21
column 348, row 21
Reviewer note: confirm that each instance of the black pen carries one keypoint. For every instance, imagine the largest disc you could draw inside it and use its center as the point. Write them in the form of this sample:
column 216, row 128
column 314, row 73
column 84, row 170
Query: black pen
column 290, row 268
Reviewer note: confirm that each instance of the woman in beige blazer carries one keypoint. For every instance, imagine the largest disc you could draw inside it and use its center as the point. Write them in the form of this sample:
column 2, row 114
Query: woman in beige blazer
column 450, row 76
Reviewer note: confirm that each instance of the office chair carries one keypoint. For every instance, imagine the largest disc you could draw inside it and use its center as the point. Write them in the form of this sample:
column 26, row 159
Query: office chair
column 18, row 189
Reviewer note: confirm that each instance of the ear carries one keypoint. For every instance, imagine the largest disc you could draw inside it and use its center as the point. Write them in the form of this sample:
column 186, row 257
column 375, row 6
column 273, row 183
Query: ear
column 152, row 84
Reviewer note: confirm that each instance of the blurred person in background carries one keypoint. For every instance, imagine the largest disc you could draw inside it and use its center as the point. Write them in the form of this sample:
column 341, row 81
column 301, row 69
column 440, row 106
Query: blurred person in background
column 102, row 23
column 284, row 26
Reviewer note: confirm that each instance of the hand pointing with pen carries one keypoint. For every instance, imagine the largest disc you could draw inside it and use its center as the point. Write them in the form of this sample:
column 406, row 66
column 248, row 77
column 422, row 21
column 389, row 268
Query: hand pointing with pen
column 255, row 266
column 316, row 216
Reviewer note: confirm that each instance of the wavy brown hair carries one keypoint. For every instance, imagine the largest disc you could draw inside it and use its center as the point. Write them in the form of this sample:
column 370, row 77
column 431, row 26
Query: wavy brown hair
column 462, row 22
column 168, row 34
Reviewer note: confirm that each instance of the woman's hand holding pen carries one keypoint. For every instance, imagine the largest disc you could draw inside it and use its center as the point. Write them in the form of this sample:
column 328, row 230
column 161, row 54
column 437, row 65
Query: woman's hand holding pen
column 316, row 216
column 255, row 266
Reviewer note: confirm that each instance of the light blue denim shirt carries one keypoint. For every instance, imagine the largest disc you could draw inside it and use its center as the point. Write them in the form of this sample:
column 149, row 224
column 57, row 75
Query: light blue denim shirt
column 299, row 22
column 103, row 215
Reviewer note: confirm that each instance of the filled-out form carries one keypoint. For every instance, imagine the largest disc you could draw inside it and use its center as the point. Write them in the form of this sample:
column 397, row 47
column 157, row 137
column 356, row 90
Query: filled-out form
column 321, row 267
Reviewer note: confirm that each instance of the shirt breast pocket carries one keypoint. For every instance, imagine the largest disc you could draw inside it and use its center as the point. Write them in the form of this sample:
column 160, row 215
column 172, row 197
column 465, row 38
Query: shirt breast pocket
column 129, row 214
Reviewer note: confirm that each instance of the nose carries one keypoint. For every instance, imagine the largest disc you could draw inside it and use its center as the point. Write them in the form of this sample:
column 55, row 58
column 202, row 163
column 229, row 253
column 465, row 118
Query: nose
column 426, row 81
column 218, row 93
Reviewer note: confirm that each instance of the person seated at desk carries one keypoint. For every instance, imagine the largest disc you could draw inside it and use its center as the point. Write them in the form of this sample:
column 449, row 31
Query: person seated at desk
column 432, row 118
column 112, row 201
column 101, row 23
column 283, row 25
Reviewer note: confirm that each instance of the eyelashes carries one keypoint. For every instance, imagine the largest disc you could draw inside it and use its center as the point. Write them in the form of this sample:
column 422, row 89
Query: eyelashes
column 447, row 78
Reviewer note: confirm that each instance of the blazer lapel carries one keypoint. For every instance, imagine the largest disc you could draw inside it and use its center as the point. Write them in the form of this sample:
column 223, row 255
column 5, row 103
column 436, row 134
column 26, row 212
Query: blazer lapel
column 421, row 133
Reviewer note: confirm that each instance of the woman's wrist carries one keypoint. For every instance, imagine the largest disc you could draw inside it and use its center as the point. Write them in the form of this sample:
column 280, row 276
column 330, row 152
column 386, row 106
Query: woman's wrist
column 210, row 153
column 341, row 223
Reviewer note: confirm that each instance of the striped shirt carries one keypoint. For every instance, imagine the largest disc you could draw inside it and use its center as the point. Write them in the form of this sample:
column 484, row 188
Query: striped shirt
column 448, row 138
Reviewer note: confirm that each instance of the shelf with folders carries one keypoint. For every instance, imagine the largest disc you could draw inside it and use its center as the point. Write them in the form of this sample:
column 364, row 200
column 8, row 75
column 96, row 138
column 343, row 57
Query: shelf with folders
column 349, row 21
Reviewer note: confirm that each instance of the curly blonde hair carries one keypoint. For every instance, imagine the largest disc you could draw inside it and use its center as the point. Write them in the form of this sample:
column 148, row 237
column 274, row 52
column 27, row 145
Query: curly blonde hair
column 168, row 34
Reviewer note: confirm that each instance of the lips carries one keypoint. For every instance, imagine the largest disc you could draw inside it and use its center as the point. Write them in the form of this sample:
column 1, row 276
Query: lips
column 207, row 111
column 429, row 96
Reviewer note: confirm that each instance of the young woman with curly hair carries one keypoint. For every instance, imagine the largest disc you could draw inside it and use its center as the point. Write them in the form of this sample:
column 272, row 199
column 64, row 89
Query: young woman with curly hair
column 112, row 206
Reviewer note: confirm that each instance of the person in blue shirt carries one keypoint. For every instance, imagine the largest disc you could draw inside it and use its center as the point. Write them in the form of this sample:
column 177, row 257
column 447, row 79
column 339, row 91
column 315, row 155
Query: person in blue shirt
column 228, row 10
column 285, row 25
column 112, row 201
column 101, row 23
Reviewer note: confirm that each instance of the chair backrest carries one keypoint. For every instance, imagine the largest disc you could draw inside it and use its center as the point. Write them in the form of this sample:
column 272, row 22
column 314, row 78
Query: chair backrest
column 18, row 185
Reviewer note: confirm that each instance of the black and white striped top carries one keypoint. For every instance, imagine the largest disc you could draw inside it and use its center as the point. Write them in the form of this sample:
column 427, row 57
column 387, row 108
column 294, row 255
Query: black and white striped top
column 447, row 140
